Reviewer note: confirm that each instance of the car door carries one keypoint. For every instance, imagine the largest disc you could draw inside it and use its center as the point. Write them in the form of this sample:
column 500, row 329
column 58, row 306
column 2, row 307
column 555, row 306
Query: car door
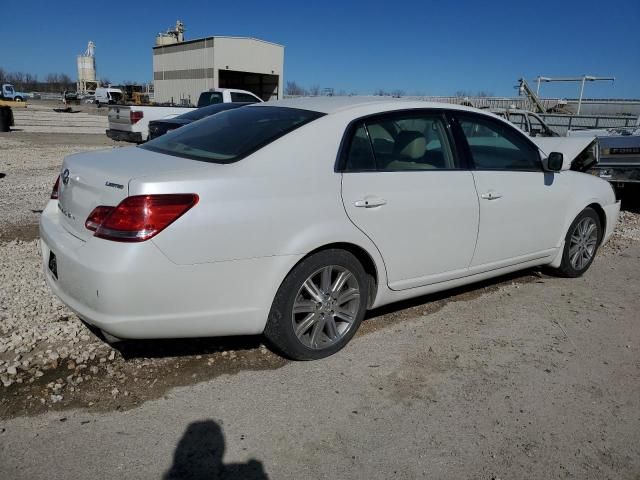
column 403, row 185
column 522, row 208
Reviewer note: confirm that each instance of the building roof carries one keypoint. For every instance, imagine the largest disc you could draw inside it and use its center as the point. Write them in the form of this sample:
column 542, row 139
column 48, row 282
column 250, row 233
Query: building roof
column 186, row 42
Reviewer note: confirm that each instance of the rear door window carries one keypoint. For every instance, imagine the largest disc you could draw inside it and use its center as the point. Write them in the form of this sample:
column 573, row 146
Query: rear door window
column 360, row 154
column 400, row 142
column 243, row 97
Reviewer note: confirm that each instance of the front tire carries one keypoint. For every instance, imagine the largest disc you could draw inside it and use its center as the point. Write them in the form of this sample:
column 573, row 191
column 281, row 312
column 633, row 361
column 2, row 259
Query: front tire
column 319, row 306
column 581, row 244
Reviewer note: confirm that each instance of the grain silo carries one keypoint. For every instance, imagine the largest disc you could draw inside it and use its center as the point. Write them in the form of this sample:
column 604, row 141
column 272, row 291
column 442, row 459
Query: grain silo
column 87, row 70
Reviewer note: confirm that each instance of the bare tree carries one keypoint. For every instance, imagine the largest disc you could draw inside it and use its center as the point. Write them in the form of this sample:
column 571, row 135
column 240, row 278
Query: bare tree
column 381, row 92
column 293, row 88
column 314, row 90
column 484, row 93
column 462, row 94
column 398, row 93
column 53, row 82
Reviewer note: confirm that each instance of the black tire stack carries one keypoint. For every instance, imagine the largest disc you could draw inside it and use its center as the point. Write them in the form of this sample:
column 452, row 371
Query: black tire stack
column 6, row 117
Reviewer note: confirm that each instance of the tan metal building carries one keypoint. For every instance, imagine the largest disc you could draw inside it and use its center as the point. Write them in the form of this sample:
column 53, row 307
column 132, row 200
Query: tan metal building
column 181, row 71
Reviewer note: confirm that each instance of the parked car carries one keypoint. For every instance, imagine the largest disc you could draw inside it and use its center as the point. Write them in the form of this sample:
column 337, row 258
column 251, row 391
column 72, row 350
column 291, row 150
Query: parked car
column 529, row 122
column 158, row 128
column 292, row 218
column 72, row 97
column 131, row 123
column 108, row 96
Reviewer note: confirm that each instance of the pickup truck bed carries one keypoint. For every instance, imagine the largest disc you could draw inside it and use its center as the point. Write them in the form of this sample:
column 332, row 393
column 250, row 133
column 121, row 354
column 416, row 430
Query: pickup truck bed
column 131, row 123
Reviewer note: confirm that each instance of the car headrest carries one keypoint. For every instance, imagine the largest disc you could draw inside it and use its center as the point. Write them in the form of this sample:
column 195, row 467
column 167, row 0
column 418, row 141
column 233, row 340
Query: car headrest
column 410, row 144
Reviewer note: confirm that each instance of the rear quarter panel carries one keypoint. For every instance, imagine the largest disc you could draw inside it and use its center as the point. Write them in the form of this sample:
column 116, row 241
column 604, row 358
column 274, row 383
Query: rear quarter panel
column 284, row 199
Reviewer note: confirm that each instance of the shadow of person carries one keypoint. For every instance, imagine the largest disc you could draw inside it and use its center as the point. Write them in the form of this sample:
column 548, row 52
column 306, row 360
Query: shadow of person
column 199, row 453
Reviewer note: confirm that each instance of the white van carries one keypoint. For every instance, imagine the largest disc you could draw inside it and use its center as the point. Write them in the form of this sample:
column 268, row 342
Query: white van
column 108, row 96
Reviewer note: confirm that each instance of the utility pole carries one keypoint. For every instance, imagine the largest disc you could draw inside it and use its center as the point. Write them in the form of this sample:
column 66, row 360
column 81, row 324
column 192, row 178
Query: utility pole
column 582, row 80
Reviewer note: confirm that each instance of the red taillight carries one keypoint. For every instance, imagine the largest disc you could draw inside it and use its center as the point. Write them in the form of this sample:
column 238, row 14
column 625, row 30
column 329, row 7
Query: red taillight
column 140, row 217
column 54, row 192
column 98, row 216
column 136, row 116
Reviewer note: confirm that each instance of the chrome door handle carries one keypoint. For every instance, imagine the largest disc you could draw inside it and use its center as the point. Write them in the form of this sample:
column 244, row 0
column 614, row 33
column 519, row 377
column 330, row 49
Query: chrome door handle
column 370, row 202
column 491, row 196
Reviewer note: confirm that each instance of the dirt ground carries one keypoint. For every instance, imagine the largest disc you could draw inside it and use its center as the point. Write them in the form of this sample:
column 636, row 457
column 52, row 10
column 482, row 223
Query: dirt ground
column 526, row 376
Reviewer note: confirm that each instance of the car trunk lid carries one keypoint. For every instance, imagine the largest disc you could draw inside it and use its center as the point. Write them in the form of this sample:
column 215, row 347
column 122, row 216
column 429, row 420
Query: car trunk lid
column 90, row 179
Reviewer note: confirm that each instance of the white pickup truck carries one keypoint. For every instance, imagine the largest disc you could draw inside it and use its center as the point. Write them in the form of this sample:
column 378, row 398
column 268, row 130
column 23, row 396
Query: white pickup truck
column 130, row 123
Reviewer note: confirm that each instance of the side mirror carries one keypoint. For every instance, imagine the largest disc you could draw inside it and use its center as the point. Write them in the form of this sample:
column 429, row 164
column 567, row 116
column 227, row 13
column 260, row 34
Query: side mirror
column 554, row 162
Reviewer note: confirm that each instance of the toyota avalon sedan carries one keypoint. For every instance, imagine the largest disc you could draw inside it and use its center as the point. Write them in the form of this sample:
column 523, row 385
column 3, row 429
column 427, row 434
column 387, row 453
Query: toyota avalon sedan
column 292, row 218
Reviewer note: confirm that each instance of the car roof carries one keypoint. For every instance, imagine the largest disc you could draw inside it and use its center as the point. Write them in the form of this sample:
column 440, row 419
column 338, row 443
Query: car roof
column 331, row 105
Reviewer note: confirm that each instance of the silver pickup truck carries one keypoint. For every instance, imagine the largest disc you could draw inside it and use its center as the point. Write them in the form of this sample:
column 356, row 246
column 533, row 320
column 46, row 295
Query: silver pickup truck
column 619, row 152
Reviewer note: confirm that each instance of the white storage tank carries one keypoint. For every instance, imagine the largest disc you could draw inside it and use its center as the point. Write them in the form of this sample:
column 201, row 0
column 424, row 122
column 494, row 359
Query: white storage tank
column 87, row 68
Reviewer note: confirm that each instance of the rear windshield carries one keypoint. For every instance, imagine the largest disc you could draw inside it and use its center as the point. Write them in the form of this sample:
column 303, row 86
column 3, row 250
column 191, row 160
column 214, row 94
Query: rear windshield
column 232, row 135
column 199, row 113
column 209, row 98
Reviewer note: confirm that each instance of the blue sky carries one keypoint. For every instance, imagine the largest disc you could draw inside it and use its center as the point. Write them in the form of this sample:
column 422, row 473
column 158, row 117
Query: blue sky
column 426, row 47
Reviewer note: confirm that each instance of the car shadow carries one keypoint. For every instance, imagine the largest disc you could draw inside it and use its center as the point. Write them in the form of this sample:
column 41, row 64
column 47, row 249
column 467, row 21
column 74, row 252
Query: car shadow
column 199, row 454
column 185, row 347
column 459, row 293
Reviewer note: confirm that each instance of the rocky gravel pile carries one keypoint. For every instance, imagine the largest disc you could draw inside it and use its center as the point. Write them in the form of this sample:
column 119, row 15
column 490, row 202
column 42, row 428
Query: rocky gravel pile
column 627, row 231
column 37, row 332
column 28, row 171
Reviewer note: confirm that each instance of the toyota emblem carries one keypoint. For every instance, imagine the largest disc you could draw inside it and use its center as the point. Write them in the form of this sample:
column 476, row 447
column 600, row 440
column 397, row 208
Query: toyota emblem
column 65, row 176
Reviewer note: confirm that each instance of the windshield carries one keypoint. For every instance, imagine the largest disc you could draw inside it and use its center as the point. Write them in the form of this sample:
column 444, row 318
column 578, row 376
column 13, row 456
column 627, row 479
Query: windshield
column 199, row 113
column 231, row 135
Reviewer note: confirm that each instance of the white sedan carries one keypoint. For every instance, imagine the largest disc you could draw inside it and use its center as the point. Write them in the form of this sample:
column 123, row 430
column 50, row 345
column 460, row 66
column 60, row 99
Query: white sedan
column 292, row 218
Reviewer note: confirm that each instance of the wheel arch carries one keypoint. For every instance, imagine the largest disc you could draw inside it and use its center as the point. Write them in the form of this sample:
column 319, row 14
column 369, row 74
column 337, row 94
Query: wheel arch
column 364, row 257
column 602, row 216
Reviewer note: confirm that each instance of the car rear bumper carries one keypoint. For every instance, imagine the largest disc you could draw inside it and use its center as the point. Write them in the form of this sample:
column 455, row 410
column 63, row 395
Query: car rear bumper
column 132, row 290
column 123, row 136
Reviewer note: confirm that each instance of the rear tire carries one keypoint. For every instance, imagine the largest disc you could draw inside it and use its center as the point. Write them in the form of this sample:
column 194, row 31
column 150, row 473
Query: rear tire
column 319, row 306
column 581, row 244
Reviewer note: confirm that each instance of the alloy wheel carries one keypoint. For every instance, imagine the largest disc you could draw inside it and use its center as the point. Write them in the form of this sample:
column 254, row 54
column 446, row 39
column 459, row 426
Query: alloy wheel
column 583, row 242
column 325, row 307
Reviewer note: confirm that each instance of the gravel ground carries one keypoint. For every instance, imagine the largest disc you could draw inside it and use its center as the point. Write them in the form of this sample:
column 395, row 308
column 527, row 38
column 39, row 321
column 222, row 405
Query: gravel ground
column 30, row 164
column 49, row 359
